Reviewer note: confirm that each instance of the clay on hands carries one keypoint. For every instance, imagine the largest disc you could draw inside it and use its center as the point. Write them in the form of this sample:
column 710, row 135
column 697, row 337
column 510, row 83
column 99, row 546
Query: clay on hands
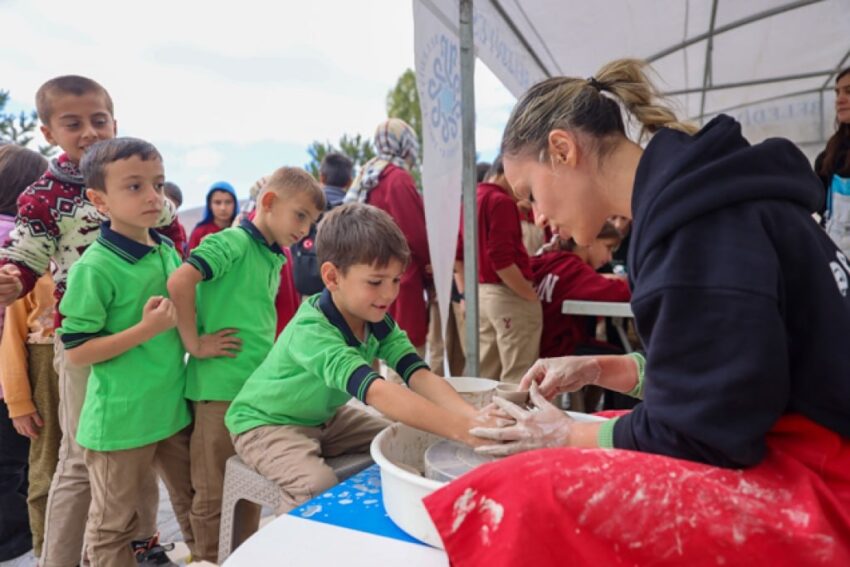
column 543, row 426
column 563, row 374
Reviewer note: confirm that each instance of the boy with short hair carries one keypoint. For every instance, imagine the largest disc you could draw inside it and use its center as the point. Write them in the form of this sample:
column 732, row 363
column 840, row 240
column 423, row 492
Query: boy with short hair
column 56, row 221
column 118, row 320
column 236, row 273
column 292, row 411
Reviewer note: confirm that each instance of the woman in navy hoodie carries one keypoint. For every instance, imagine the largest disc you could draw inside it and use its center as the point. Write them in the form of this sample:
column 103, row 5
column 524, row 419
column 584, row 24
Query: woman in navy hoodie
column 740, row 450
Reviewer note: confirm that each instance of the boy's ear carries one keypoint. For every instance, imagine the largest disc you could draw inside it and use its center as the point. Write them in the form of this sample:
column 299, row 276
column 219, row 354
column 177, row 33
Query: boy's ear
column 267, row 199
column 330, row 276
column 48, row 135
column 97, row 199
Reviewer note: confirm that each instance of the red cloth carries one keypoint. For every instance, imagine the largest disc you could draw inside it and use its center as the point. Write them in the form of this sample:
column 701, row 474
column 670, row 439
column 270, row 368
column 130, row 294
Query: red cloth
column 615, row 507
column 287, row 301
column 559, row 276
column 177, row 234
column 396, row 194
column 202, row 231
column 499, row 235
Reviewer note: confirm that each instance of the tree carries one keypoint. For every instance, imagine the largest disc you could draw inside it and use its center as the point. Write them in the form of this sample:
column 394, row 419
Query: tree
column 18, row 129
column 403, row 102
column 355, row 147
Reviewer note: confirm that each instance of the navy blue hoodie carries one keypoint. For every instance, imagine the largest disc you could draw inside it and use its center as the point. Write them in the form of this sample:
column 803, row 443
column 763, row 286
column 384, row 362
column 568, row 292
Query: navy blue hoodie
column 740, row 297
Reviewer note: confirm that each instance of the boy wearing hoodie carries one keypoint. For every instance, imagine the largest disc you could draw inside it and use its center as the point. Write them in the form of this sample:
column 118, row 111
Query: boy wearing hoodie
column 56, row 221
column 219, row 214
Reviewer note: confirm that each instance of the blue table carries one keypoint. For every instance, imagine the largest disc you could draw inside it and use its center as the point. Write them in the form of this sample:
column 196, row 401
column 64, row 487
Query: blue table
column 357, row 504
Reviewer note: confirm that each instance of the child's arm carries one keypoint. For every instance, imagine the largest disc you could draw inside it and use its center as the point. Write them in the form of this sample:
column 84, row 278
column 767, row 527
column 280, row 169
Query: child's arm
column 513, row 278
column 14, row 370
column 26, row 255
column 181, row 287
column 158, row 315
column 400, row 404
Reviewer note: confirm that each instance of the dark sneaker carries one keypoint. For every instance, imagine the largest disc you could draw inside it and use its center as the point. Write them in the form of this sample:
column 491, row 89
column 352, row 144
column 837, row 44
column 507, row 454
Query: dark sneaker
column 149, row 552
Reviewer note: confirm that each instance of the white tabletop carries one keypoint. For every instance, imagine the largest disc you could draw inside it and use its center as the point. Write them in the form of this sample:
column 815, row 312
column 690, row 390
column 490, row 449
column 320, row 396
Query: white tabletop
column 597, row 308
column 298, row 542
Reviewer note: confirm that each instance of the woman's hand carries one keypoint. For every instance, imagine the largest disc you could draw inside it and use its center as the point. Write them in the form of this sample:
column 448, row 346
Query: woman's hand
column 563, row 374
column 543, row 426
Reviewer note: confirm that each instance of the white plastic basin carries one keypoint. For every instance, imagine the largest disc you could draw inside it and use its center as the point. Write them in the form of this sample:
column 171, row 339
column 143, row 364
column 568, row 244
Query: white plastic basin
column 477, row 391
column 403, row 491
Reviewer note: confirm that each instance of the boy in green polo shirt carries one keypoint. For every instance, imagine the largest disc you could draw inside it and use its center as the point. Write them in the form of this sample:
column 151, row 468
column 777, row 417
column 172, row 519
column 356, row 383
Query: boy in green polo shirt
column 292, row 411
column 236, row 273
column 118, row 320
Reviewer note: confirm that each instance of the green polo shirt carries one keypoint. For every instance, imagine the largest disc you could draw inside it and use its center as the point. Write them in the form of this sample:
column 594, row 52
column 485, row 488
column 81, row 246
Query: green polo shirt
column 316, row 366
column 241, row 274
column 136, row 398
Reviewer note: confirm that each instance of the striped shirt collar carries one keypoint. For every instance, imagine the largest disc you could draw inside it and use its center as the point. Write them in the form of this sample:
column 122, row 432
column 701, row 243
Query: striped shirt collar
column 127, row 248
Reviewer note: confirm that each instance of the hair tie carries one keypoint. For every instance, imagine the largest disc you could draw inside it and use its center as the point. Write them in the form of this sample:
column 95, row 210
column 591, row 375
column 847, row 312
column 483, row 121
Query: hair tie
column 596, row 84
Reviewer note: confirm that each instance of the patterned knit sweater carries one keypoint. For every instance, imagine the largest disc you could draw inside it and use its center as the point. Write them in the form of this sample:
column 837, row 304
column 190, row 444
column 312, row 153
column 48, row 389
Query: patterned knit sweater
column 56, row 221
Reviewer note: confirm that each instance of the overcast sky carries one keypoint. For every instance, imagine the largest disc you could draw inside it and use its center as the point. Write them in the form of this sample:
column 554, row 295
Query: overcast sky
column 229, row 90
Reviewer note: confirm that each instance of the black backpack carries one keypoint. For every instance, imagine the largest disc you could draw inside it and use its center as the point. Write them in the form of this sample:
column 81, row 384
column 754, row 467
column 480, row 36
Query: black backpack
column 305, row 263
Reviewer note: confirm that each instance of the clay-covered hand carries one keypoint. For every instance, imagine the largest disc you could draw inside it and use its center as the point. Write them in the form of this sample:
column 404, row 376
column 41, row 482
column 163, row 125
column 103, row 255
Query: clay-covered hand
column 562, row 374
column 492, row 415
column 543, row 426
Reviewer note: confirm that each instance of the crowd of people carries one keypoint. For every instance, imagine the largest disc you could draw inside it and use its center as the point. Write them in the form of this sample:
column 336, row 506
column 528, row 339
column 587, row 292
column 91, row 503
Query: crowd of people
column 130, row 353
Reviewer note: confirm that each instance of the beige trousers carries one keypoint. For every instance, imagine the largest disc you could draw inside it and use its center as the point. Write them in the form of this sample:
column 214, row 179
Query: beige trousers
column 117, row 478
column 509, row 330
column 70, row 493
column 293, row 457
column 210, row 447
column 451, row 346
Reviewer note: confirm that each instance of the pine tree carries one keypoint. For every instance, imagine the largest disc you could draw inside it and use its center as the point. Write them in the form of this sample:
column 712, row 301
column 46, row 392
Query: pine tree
column 19, row 128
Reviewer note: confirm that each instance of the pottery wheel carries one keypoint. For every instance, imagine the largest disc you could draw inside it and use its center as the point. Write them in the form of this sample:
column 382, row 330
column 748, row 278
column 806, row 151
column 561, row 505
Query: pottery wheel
column 446, row 460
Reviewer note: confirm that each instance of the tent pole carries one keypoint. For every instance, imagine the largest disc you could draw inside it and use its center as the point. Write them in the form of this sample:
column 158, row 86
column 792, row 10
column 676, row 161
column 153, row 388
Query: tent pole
column 470, row 222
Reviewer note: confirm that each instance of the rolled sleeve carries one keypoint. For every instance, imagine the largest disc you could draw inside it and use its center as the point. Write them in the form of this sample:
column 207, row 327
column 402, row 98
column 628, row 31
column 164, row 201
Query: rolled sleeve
column 216, row 254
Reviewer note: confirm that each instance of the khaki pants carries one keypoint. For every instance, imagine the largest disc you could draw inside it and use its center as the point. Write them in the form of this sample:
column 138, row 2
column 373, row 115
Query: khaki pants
column 440, row 347
column 44, row 451
column 117, row 478
column 509, row 329
column 70, row 493
column 293, row 457
column 210, row 448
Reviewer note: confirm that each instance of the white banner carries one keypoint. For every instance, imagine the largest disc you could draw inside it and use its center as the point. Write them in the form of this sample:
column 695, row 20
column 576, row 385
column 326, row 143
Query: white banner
column 438, row 81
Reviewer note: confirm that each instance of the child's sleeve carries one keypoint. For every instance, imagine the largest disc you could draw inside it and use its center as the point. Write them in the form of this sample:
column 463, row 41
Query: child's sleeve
column 322, row 351
column 14, row 367
column 33, row 241
column 397, row 350
column 504, row 232
column 84, row 306
column 215, row 255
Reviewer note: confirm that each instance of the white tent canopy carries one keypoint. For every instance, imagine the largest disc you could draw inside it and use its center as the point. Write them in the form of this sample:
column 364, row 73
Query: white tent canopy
column 771, row 64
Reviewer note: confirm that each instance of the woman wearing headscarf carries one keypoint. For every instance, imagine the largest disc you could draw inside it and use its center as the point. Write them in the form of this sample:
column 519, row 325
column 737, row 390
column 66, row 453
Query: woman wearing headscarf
column 385, row 182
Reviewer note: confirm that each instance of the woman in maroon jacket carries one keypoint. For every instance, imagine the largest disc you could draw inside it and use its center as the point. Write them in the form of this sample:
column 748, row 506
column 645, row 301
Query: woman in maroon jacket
column 385, row 182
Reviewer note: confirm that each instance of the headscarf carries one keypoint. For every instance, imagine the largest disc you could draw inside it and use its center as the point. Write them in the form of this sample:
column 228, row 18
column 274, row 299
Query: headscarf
column 395, row 143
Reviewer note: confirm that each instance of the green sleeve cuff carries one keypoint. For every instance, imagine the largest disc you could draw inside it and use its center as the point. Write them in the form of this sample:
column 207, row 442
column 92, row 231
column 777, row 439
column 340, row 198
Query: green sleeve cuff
column 640, row 360
column 605, row 437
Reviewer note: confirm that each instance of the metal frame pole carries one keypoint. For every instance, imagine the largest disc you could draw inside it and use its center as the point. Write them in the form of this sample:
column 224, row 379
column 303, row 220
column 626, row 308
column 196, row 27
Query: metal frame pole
column 470, row 221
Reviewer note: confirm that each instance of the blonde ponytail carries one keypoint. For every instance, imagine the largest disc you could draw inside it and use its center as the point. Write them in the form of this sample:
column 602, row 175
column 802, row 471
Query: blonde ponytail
column 627, row 80
column 590, row 106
